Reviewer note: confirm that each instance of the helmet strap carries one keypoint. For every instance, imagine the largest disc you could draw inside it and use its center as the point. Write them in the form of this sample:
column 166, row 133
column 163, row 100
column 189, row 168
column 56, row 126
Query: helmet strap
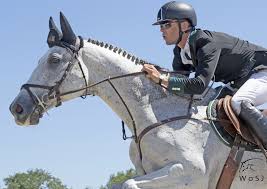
column 181, row 33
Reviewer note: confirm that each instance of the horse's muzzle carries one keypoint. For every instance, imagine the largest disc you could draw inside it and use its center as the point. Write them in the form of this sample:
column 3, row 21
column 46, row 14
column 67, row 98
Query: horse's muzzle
column 24, row 110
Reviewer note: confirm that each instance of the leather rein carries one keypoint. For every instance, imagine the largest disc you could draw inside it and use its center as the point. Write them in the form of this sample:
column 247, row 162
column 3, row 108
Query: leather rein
column 54, row 93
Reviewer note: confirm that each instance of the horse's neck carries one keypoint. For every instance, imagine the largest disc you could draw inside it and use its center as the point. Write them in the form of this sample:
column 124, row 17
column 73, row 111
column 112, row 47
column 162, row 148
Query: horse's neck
column 145, row 100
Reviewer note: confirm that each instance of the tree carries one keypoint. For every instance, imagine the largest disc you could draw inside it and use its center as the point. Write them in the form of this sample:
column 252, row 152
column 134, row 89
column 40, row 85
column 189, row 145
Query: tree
column 33, row 179
column 119, row 178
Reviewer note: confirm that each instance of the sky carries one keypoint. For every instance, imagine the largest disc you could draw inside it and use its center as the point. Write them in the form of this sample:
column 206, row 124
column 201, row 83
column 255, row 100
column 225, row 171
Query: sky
column 81, row 141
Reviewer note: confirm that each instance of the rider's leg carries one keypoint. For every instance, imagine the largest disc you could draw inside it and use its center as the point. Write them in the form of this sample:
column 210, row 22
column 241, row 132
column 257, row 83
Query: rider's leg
column 255, row 119
column 253, row 93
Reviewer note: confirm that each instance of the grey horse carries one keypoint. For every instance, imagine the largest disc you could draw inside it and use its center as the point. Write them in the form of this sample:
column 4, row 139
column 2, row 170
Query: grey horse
column 184, row 153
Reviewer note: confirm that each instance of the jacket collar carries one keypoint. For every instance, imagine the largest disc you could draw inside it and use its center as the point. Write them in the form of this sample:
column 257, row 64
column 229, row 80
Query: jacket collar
column 192, row 46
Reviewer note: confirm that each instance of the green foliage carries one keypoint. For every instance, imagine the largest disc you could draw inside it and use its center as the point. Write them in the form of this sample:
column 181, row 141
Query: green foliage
column 88, row 187
column 33, row 179
column 40, row 179
column 118, row 178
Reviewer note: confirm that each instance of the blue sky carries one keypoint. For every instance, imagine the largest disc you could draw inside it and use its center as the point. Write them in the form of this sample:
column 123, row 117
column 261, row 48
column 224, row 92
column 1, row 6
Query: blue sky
column 80, row 142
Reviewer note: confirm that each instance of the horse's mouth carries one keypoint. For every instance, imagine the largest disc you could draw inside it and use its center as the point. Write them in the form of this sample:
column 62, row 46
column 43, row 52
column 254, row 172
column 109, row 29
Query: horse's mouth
column 35, row 116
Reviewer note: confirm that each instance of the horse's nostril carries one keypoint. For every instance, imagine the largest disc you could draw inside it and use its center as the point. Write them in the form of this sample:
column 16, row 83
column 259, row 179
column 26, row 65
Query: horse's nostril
column 18, row 109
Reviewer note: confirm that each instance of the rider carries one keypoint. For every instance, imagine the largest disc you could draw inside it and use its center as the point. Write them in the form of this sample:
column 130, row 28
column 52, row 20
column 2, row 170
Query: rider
column 213, row 55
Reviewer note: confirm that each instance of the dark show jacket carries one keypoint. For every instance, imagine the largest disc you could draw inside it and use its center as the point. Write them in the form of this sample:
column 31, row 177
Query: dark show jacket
column 213, row 54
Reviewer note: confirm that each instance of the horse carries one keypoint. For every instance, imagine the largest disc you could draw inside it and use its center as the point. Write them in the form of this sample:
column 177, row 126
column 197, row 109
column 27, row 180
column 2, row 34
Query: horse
column 173, row 145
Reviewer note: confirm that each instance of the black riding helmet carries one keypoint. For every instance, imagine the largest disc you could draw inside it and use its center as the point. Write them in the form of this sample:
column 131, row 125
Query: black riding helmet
column 177, row 11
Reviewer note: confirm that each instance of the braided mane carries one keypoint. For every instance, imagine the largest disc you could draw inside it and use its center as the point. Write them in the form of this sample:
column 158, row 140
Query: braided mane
column 121, row 52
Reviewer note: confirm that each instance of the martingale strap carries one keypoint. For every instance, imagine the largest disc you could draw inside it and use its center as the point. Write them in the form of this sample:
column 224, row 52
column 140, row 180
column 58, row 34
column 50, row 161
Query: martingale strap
column 136, row 138
column 231, row 165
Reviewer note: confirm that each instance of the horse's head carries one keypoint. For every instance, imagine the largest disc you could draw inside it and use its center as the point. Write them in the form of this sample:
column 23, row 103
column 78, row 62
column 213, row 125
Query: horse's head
column 60, row 70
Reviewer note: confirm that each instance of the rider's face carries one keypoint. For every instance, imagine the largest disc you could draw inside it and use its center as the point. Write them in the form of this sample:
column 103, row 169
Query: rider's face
column 170, row 32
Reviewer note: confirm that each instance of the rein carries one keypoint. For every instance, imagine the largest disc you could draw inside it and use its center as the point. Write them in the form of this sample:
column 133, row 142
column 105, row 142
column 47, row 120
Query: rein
column 97, row 83
column 54, row 93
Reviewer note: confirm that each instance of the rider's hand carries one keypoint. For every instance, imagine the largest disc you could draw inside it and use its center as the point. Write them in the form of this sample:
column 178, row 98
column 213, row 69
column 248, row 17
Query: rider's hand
column 151, row 72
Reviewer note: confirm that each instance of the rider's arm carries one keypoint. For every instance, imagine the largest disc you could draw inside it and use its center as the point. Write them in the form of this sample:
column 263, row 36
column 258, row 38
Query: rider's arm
column 207, row 56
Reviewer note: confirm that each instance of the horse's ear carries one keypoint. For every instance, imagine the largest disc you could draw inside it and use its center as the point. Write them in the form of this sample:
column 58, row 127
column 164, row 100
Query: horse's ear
column 68, row 34
column 54, row 35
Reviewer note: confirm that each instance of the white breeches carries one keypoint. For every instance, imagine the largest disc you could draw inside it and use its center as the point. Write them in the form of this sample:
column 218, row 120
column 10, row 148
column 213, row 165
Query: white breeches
column 254, row 90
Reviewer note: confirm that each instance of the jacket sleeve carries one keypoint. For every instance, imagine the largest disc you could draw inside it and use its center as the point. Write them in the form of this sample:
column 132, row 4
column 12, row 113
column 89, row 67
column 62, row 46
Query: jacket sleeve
column 207, row 56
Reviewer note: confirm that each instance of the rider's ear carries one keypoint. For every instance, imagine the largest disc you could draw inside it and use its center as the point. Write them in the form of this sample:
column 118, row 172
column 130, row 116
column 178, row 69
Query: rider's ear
column 54, row 35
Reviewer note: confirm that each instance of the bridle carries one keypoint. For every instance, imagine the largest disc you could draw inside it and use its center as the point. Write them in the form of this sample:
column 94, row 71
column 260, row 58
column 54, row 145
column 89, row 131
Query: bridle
column 54, row 93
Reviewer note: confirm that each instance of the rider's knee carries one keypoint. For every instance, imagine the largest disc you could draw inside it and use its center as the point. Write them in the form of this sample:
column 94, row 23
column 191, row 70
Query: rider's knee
column 236, row 103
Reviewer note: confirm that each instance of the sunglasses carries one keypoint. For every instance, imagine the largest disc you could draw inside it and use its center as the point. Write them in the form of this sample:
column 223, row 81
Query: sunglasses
column 166, row 25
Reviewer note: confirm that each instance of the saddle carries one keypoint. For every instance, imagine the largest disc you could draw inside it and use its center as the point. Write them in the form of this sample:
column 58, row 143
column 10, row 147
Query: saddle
column 230, row 122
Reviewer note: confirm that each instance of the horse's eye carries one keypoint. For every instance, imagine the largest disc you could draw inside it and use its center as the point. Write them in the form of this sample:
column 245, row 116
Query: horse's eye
column 54, row 58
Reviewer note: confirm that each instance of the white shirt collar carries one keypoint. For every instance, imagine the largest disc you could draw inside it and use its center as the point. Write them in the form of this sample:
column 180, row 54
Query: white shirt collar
column 185, row 53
